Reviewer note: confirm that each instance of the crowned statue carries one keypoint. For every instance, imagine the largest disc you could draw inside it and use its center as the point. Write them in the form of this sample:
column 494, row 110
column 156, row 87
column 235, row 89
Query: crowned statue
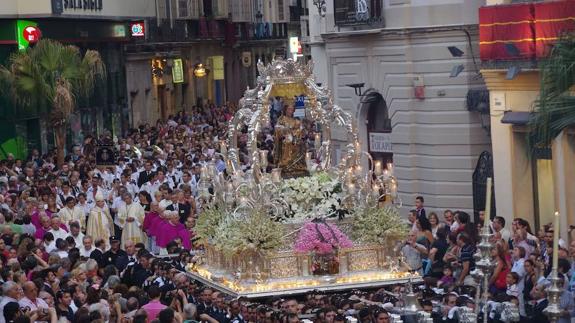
column 290, row 145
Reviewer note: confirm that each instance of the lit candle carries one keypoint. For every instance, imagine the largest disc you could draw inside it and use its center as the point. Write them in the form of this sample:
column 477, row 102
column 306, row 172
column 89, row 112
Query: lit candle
column 378, row 168
column 264, row 158
column 223, row 148
column 317, row 141
column 276, row 175
column 358, row 170
column 203, row 172
column 351, row 188
column 393, row 188
column 487, row 205
column 308, row 156
column 390, row 168
column 555, row 241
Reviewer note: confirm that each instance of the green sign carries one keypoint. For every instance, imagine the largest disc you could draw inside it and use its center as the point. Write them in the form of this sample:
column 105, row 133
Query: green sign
column 178, row 71
column 27, row 32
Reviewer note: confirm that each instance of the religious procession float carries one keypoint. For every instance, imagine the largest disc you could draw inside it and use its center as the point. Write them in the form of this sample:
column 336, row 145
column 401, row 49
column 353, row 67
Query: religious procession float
column 296, row 220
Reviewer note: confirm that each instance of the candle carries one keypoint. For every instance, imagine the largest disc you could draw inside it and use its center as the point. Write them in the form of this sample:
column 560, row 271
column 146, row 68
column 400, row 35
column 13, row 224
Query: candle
column 487, row 205
column 390, row 168
column 555, row 241
column 230, row 187
column 276, row 175
column 203, row 172
column 393, row 188
column 223, row 148
column 351, row 188
column 378, row 168
column 308, row 156
column 264, row 158
column 317, row 141
column 358, row 170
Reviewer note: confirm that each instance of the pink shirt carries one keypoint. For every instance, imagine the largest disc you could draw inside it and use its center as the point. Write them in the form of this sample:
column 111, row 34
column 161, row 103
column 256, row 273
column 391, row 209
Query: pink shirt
column 153, row 308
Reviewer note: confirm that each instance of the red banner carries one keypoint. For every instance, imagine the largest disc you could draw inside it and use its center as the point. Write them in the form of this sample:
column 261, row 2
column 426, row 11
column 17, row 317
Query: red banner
column 523, row 31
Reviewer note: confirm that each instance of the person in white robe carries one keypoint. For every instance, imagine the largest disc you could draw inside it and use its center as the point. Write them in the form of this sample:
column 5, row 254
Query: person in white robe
column 70, row 213
column 100, row 224
column 131, row 218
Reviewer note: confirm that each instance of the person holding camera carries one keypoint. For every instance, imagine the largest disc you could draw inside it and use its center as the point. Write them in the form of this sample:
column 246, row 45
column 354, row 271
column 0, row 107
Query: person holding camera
column 414, row 253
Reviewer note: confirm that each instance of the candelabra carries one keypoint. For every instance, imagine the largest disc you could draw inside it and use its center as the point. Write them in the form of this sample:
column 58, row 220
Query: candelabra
column 553, row 311
column 367, row 189
column 486, row 265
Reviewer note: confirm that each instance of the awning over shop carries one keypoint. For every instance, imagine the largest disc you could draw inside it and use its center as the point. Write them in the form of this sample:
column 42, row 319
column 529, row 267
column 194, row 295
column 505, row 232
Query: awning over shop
column 523, row 31
column 516, row 118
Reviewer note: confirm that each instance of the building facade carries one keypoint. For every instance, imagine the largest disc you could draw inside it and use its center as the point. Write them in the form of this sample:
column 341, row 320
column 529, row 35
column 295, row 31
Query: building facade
column 389, row 62
column 225, row 37
column 515, row 37
column 96, row 24
column 154, row 51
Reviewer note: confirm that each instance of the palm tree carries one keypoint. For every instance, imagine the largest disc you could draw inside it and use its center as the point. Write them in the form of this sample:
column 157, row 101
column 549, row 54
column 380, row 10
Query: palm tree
column 50, row 77
column 555, row 108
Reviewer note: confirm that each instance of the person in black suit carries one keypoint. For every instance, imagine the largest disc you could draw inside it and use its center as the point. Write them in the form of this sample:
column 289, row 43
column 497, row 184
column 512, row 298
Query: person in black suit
column 127, row 258
column 146, row 174
column 111, row 256
column 98, row 253
column 539, row 294
column 180, row 205
column 136, row 275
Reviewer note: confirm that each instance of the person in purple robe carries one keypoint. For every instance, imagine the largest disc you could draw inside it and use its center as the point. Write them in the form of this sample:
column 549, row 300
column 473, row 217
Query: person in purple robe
column 170, row 229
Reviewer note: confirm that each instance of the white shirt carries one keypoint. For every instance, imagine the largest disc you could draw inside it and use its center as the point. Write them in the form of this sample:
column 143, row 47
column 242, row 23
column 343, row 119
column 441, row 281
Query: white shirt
column 78, row 239
column 86, row 253
column 59, row 234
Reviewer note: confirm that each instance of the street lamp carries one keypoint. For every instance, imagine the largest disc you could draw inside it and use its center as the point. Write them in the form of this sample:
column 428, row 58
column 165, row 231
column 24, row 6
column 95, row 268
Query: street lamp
column 321, row 7
column 356, row 87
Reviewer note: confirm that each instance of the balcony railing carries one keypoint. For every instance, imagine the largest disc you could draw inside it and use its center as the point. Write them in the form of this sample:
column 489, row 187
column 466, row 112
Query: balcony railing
column 358, row 12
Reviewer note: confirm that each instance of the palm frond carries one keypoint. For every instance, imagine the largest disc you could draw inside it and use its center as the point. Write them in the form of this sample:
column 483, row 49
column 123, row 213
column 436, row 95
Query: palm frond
column 555, row 108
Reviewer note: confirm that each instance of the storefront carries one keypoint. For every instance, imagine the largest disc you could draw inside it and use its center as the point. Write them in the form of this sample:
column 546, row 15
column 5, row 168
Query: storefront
column 98, row 25
column 531, row 184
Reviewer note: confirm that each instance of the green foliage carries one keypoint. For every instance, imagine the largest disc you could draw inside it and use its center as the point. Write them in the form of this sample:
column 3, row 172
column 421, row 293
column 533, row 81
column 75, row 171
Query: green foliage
column 555, row 108
column 207, row 223
column 378, row 225
column 257, row 232
column 50, row 76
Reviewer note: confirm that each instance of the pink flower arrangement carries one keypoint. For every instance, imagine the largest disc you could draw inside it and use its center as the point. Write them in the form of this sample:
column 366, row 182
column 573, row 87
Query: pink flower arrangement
column 320, row 237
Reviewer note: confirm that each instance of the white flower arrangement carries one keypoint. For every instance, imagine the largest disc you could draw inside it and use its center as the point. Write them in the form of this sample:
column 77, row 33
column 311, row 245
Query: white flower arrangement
column 313, row 196
column 378, row 225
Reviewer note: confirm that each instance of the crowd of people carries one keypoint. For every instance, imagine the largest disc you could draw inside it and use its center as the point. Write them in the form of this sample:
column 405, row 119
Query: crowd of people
column 83, row 243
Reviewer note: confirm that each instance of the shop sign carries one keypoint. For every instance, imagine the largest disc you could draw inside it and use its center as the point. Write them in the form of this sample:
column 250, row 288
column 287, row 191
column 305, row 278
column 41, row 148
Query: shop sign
column 218, row 67
column 247, row 59
column 380, row 142
column 138, row 29
column 178, row 71
column 96, row 5
column 293, row 45
column 27, row 33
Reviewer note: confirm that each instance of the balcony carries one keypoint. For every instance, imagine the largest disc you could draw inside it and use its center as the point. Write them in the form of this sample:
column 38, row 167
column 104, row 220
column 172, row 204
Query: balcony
column 353, row 13
column 523, row 31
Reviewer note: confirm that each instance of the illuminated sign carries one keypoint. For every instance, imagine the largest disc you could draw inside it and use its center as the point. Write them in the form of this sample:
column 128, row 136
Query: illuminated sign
column 178, row 71
column 27, row 32
column 293, row 45
column 138, row 29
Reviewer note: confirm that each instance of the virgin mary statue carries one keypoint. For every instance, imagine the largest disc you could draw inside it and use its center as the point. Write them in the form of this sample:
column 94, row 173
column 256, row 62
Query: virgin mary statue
column 289, row 150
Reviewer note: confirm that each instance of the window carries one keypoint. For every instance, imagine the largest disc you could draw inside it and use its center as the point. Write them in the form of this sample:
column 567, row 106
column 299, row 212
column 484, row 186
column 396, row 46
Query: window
column 183, row 9
column 281, row 10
